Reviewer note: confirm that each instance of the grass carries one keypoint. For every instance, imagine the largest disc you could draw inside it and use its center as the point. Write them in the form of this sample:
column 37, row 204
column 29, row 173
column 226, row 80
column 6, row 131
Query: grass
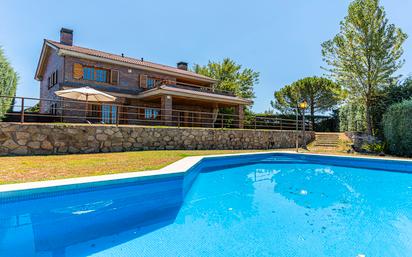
column 36, row 168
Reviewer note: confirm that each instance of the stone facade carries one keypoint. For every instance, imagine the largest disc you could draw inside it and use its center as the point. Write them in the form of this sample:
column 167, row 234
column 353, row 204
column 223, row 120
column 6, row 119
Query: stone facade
column 36, row 139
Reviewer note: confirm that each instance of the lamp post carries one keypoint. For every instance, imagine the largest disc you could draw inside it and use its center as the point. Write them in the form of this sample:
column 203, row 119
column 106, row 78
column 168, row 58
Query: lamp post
column 303, row 105
column 297, row 129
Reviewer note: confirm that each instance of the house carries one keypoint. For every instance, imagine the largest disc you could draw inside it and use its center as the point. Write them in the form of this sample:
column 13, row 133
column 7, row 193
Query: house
column 144, row 90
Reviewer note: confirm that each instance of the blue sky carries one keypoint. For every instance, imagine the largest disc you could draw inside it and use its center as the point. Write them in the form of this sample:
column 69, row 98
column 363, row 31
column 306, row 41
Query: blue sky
column 280, row 39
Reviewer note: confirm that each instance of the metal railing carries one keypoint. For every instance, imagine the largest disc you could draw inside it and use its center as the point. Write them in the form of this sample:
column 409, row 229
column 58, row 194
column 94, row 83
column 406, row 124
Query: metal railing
column 28, row 109
column 204, row 89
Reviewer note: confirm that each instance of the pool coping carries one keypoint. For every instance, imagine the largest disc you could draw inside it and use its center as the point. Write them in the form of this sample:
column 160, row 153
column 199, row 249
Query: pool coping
column 177, row 168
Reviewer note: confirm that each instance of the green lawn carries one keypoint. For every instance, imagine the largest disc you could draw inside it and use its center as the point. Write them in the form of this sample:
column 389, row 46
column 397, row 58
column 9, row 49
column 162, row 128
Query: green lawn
column 36, row 168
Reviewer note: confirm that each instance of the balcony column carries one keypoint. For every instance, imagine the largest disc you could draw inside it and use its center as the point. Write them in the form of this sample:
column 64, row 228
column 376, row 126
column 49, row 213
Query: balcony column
column 240, row 116
column 166, row 112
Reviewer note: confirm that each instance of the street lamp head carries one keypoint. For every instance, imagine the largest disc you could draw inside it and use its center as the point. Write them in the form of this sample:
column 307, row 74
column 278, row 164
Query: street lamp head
column 303, row 105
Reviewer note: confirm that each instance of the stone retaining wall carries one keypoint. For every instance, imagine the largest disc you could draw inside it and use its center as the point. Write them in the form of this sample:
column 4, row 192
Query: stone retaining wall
column 34, row 139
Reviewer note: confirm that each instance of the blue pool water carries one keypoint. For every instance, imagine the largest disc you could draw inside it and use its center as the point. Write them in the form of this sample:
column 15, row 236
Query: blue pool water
column 268, row 206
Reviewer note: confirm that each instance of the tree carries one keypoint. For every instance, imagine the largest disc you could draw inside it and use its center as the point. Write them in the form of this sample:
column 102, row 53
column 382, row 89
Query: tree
column 231, row 77
column 8, row 84
column 321, row 94
column 352, row 116
column 366, row 53
column 287, row 99
column 383, row 99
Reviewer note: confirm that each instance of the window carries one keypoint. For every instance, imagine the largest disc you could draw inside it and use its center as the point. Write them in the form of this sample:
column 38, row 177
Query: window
column 52, row 80
column 114, row 77
column 88, row 73
column 53, row 109
column 151, row 114
column 153, row 82
column 150, row 83
column 95, row 110
column 96, row 74
column 109, row 114
column 101, row 75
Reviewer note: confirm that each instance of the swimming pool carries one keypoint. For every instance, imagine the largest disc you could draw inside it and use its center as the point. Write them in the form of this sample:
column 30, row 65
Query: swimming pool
column 256, row 205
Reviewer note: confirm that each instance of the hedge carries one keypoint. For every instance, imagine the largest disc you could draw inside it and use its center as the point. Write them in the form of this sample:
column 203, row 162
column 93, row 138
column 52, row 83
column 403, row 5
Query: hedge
column 397, row 128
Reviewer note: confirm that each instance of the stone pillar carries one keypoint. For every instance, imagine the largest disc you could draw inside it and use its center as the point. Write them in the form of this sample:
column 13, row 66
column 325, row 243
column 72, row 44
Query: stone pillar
column 166, row 112
column 240, row 116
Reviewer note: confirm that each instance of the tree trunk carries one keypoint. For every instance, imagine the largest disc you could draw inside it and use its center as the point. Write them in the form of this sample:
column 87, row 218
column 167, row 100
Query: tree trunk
column 369, row 125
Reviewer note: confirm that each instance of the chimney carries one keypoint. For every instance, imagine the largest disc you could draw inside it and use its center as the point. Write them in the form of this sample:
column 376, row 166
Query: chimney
column 66, row 36
column 182, row 65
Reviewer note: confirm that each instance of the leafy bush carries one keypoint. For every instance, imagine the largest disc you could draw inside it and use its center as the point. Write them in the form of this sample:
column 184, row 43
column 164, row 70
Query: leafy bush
column 8, row 83
column 397, row 127
column 374, row 147
column 395, row 93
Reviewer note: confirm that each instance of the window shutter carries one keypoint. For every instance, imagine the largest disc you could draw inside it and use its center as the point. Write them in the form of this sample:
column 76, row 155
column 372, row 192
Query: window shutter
column 77, row 71
column 114, row 77
column 143, row 81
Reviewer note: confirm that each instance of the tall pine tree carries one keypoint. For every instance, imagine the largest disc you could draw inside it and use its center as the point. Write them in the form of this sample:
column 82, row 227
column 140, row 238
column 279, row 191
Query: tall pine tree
column 365, row 54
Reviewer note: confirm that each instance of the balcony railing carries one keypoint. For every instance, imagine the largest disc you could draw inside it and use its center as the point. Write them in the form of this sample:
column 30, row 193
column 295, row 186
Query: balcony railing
column 27, row 109
column 204, row 89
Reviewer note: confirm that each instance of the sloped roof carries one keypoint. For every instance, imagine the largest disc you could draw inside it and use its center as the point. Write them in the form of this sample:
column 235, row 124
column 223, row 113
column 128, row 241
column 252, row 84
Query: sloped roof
column 127, row 60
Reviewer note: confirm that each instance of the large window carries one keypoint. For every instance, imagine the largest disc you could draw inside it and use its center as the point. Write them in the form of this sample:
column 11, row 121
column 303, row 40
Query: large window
column 101, row 75
column 151, row 114
column 96, row 74
column 88, row 73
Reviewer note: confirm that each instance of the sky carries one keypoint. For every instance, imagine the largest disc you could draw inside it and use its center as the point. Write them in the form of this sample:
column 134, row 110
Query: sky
column 281, row 39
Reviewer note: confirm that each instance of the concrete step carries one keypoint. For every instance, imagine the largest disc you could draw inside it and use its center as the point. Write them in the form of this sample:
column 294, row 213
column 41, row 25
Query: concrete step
column 326, row 140
column 327, row 145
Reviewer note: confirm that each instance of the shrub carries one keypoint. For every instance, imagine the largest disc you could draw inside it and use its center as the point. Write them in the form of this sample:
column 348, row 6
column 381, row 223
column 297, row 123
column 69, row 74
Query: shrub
column 397, row 127
column 8, row 83
column 374, row 147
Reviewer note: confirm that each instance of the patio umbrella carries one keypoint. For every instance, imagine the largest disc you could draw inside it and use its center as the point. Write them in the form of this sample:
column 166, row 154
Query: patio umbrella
column 85, row 94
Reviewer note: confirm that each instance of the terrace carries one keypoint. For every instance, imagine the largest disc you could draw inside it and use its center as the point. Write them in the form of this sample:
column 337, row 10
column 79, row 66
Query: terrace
column 28, row 109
